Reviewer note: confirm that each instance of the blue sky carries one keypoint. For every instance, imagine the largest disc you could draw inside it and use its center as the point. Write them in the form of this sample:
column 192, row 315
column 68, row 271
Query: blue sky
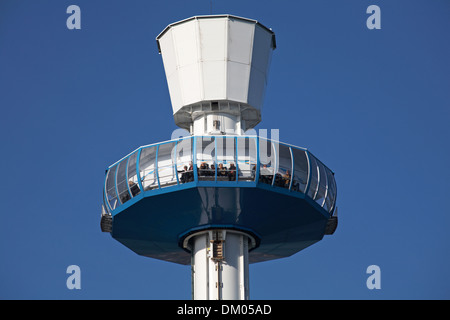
column 373, row 105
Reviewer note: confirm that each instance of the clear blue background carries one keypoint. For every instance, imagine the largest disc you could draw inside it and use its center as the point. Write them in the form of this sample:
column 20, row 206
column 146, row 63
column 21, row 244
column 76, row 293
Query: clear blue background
column 373, row 105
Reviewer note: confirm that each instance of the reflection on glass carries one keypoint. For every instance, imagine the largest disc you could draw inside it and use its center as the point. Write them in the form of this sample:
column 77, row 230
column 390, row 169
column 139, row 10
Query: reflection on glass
column 321, row 193
column 246, row 158
column 206, row 155
column 300, row 170
column 121, row 179
column 284, row 167
column 314, row 177
column 147, row 168
column 266, row 161
column 133, row 184
column 331, row 195
column 166, row 164
column 185, row 167
column 226, row 159
column 105, row 206
column 111, row 187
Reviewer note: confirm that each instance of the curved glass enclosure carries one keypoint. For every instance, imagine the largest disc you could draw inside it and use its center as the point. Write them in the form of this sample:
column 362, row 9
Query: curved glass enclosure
column 223, row 161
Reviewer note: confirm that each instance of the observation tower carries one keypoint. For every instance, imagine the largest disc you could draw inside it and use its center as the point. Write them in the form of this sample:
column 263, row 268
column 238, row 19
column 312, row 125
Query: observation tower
column 218, row 199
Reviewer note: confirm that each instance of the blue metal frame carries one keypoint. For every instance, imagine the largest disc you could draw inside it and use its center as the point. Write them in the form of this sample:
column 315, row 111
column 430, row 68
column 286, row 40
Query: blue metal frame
column 257, row 161
column 175, row 167
column 308, row 183
column 105, row 196
column 215, row 158
column 236, row 159
column 126, row 176
column 106, row 189
column 194, row 158
column 138, row 171
column 275, row 165
column 115, row 184
column 156, row 166
column 292, row 168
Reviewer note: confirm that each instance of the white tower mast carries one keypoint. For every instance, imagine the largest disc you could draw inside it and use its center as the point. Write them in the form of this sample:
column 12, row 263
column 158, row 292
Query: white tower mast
column 216, row 68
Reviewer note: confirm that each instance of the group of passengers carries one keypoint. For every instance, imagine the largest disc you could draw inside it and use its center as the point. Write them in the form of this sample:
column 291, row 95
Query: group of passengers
column 266, row 176
column 206, row 170
column 281, row 180
column 187, row 175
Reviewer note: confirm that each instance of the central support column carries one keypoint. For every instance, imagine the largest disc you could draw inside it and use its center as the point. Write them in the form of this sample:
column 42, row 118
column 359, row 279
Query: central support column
column 220, row 265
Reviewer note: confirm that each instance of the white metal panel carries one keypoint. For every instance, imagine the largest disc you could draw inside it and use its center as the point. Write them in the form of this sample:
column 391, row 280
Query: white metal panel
column 244, row 269
column 231, row 270
column 256, row 88
column 262, row 49
column 185, row 39
column 168, row 54
column 214, row 290
column 212, row 39
column 200, row 268
column 261, row 56
column 199, row 126
column 214, row 80
column 240, row 40
column 238, row 76
column 173, row 82
column 190, row 83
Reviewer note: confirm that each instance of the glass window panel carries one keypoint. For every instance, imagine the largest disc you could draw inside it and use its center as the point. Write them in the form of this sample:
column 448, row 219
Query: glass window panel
column 166, row 164
column 300, row 170
column 246, row 158
column 104, row 205
column 111, row 187
column 147, row 168
column 331, row 195
column 322, row 191
column 184, row 163
column 284, row 167
column 226, row 159
column 121, row 180
column 314, row 177
column 333, row 207
column 133, row 183
column 266, row 161
column 206, row 155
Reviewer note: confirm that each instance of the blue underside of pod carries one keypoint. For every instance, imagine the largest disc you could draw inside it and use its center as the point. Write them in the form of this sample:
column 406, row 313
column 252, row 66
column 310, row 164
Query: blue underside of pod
column 153, row 224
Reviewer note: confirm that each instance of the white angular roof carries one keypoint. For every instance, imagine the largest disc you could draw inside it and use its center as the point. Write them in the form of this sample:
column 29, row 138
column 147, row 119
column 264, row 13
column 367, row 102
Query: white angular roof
column 212, row 58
